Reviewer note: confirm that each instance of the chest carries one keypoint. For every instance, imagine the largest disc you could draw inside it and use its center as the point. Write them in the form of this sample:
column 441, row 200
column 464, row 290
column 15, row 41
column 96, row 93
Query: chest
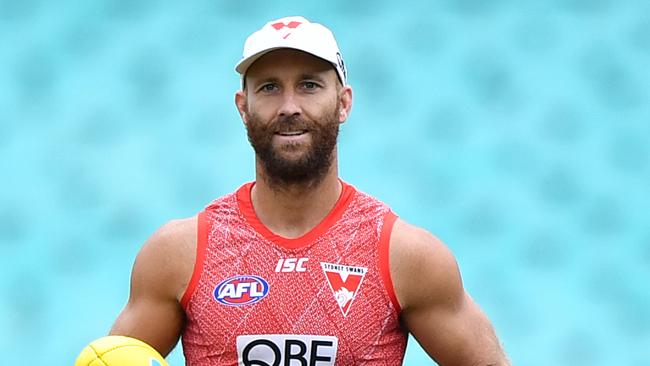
column 323, row 300
column 306, row 307
column 267, row 288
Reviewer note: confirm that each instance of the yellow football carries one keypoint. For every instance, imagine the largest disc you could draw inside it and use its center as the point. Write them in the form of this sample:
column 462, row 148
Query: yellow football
column 119, row 351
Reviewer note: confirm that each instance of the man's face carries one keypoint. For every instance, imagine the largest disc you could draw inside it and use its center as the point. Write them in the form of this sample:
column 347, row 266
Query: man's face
column 292, row 111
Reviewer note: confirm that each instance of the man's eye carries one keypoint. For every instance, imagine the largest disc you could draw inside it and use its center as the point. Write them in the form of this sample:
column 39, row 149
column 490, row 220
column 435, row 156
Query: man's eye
column 310, row 85
column 268, row 87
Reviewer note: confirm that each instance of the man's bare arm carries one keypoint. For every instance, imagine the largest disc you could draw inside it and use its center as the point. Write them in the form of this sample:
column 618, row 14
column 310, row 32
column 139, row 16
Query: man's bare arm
column 160, row 275
column 443, row 318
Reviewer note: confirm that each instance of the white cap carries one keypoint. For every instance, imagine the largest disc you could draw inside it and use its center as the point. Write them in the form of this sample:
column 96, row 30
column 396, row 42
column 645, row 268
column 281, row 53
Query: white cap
column 296, row 33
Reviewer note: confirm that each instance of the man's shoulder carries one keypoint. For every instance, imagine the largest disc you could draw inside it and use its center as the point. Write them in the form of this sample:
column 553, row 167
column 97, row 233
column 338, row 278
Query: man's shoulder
column 175, row 230
column 165, row 261
column 411, row 240
column 171, row 243
column 420, row 260
column 228, row 200
column 364, row 198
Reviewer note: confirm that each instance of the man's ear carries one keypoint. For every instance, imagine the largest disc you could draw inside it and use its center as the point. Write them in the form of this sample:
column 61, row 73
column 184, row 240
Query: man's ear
column 242, row 105
column 345, row 100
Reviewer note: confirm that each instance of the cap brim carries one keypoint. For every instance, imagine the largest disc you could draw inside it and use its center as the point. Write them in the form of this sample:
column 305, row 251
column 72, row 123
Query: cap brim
column 245, row 63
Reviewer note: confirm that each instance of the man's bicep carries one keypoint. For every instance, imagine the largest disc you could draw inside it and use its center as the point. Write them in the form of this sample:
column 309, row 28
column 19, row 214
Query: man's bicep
column 153, row 312
column 435, row 307
column 158, row 323
column 460, row 335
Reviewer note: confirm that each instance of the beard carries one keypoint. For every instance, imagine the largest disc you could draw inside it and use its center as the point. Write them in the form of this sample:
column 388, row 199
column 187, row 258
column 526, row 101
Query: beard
column 307, row 168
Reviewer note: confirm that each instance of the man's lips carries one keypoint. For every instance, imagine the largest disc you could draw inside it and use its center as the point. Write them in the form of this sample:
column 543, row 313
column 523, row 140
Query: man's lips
column 291, row 133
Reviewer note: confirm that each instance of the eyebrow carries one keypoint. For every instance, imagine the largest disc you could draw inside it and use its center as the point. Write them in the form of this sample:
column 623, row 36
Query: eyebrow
column 315, row 77
column 305, row 76
column 264, row 81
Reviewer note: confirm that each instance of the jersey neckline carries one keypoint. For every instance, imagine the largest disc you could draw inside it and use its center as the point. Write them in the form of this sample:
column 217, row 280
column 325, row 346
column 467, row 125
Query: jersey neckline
column 245, row 204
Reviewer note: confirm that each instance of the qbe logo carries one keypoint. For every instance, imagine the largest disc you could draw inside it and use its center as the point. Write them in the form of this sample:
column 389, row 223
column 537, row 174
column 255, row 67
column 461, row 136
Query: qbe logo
column 286, row 350
column 241, row 290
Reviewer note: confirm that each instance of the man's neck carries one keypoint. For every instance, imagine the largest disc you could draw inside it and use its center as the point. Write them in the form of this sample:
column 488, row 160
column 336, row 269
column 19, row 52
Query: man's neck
column 293, row 211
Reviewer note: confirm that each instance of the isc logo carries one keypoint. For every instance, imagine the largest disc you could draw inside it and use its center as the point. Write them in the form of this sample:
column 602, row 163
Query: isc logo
column 241, row 290
column 291, row 265
column 282, row 349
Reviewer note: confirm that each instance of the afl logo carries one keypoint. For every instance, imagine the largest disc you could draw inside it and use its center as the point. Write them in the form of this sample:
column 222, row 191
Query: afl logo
column 241, row 290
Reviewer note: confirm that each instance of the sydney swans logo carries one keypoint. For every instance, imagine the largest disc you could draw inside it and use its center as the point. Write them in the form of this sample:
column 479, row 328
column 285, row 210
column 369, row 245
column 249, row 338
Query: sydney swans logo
column 344, row 282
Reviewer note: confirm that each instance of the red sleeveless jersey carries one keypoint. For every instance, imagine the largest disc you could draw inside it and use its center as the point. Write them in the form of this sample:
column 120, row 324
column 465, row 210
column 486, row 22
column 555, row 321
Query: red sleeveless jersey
column 326, row 298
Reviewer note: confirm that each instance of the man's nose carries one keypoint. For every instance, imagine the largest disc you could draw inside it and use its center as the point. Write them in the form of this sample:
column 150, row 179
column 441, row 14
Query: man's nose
column 290, row 105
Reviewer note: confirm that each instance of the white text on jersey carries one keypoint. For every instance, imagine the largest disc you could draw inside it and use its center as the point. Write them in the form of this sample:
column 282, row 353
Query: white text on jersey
column 291, row 265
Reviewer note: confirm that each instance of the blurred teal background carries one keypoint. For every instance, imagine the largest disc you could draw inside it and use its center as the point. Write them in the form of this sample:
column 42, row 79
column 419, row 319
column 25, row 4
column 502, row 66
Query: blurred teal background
column 516, row 131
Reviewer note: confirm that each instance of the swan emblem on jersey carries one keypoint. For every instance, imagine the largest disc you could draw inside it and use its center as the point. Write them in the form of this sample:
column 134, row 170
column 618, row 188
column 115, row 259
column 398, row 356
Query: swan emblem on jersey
column 345, row 282
column 241, row 290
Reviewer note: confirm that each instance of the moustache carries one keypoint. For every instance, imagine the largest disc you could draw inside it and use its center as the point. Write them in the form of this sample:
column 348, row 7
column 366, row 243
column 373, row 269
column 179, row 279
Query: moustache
column 290, row 123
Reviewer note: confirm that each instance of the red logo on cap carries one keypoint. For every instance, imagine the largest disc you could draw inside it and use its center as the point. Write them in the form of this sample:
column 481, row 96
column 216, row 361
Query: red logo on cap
column 291, row 25
column 280, row 25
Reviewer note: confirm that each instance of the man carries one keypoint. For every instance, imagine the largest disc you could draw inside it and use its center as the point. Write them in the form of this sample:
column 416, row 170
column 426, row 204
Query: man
column 298, row 267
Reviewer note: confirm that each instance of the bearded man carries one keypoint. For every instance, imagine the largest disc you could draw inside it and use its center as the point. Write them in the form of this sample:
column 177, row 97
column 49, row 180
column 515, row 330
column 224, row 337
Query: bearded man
column 299, row 267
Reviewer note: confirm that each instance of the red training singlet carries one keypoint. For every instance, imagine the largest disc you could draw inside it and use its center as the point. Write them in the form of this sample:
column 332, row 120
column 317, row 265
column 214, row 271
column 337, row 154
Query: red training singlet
column 326, row 298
